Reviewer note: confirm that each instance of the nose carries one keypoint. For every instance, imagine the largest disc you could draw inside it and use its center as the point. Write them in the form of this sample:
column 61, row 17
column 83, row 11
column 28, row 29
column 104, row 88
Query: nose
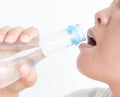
column 102, row 17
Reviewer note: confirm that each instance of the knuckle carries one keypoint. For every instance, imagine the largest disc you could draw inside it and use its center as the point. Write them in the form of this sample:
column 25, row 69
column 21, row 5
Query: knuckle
column 15, row 29
column 4, row 29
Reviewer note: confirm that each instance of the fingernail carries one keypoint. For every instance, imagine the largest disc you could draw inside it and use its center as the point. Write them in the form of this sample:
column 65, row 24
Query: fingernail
column 9, row 39
column 25, row 70
column 25, row 38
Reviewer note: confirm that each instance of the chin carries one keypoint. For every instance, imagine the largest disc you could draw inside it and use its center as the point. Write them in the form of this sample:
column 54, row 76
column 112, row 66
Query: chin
column 85, row 67
column 81, row 64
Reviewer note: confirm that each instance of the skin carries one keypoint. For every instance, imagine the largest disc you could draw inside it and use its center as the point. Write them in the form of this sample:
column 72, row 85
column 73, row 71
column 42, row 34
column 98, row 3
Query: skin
column 102, row 62
column 9, row 36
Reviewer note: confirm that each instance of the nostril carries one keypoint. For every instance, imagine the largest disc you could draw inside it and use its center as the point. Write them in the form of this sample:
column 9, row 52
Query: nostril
column 103, row 17
column 99, row 20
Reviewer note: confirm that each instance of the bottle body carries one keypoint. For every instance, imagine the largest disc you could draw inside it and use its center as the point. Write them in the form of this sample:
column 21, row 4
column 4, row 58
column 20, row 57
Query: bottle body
column 51, row 44
column 9, row 67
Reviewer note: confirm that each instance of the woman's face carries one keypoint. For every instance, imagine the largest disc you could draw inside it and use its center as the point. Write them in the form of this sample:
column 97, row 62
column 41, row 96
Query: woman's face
column 100, row 57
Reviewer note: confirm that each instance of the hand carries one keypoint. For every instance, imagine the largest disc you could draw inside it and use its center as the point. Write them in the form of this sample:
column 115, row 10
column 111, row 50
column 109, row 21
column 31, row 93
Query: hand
column 13, row 40
column 28, row 75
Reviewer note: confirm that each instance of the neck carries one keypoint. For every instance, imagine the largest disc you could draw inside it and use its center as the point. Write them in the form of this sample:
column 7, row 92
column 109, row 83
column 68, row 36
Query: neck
column 115, row 90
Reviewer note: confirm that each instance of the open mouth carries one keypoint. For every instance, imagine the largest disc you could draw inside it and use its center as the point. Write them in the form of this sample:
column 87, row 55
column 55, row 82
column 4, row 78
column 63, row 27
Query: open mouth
column 91, row 39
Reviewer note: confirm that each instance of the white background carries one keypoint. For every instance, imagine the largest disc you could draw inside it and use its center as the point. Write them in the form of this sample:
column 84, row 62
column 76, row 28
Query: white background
column 57, row 74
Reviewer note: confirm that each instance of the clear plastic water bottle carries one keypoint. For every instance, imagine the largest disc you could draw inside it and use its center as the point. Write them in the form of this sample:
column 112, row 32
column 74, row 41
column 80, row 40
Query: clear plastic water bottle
column 70, row 36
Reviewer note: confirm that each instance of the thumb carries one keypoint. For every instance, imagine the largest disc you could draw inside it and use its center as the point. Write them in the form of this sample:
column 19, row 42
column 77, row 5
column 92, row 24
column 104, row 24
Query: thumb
column 28, row 78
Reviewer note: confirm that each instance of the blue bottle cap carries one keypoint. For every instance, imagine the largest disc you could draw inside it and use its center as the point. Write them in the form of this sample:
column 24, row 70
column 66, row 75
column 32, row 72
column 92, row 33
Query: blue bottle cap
column 76, row 32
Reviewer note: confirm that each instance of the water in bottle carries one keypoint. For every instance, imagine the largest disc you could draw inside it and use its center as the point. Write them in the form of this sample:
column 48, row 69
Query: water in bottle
column 70, row 36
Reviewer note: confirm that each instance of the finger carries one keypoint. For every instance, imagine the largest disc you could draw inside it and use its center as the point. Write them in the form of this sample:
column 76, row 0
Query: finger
column 29, row 34
column 28, row 78
column 13, row 34
column 3, row 32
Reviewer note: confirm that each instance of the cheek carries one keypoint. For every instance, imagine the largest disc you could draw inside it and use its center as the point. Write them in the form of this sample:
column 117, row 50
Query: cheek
column 109, row 48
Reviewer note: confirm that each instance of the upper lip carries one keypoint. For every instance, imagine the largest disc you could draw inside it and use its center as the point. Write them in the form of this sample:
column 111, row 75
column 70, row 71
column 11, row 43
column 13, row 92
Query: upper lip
column 90, row 35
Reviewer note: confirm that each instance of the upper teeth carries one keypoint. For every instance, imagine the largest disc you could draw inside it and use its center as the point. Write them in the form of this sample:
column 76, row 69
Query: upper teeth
column 90, row 35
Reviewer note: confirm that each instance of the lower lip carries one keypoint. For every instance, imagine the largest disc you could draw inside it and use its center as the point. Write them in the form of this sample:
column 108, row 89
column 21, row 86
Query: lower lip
column 85, row 45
